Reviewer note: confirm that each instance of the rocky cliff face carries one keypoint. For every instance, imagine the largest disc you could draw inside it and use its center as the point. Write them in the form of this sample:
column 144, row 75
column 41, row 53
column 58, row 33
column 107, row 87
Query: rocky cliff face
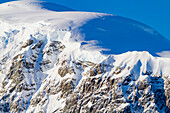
column 36, row 83
column 47, row 67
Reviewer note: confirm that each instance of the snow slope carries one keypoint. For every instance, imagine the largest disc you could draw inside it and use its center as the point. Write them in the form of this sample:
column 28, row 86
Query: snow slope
column 132, row 35
column 54, row 59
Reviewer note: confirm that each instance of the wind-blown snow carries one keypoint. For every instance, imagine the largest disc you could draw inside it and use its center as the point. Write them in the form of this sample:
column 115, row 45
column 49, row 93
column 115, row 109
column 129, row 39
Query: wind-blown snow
column 117, row 35
column 164, row 54
column 92, row 37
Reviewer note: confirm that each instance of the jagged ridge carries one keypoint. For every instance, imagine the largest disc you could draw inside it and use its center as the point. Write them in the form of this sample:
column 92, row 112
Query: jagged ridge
column 44, row 67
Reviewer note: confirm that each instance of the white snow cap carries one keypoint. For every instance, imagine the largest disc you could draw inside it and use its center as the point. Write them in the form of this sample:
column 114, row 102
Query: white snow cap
column 94, row 31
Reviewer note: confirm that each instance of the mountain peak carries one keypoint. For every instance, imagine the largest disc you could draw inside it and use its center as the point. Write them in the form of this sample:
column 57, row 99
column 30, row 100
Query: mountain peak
column 53, row 60
column 125, row 34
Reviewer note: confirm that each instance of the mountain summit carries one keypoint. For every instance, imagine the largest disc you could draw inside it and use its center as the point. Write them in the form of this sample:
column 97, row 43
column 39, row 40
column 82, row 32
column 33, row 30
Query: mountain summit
column 113, row 34
column 54, row 59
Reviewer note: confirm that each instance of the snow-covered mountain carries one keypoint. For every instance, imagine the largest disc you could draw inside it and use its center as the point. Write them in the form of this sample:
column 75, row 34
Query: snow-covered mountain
column 54, row 59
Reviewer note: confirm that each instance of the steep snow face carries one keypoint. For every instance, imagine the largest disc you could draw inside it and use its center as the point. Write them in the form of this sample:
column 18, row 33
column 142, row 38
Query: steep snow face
column 52, row 62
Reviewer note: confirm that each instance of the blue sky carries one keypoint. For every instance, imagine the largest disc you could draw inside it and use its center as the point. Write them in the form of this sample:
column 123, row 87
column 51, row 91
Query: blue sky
column 154, row 13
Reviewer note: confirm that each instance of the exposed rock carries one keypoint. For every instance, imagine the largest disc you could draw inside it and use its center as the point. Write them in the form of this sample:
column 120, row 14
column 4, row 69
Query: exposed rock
column 33, row 79
column 62, row 71
column 27, row 43
column 98, row 69
column 54, row 47
column 66, row 86
column 38, row 45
